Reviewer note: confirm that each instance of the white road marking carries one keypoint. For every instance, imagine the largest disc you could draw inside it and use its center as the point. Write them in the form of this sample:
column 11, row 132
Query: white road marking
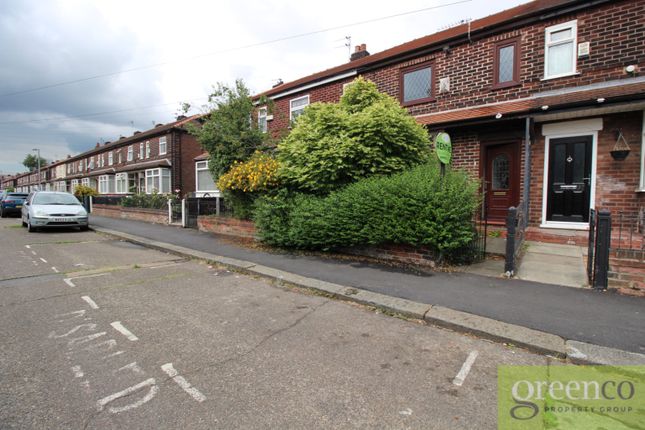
column 124, row 331
column 55, row 269
column 115, row 410
column 69, row 282
column 185, row 385
column 406, row 411
column 465, row 369
column 90, row 302
column 78, row 373
column 33, row 252
column 43, row 260
column 113, row 354
column 28, row 246
column 132, row 366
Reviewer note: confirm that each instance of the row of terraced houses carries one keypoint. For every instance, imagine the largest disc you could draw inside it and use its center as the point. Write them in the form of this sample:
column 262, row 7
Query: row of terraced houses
column 544, row 102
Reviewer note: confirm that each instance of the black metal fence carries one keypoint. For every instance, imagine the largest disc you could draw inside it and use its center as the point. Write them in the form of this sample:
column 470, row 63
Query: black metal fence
column 196, row 207
column 516, row 222
column 628, row 235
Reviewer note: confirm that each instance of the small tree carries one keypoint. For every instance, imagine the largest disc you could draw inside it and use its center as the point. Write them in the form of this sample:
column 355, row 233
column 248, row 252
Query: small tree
column 84, row 190
column 228, row 133
column 31, row 162
column 368, row 133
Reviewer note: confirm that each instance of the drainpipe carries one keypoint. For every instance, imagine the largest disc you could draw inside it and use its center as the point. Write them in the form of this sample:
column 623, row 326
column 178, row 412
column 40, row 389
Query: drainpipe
column 527, row 166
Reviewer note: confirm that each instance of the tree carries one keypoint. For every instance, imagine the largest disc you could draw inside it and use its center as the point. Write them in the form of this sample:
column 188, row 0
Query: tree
column 367, row 134
column 31, row 162
column 228, row 133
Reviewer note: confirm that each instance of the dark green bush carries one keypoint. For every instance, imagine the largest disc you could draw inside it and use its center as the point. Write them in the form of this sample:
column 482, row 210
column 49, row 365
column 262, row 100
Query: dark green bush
column 416, row 207
column 147, row 201
column 240, row 204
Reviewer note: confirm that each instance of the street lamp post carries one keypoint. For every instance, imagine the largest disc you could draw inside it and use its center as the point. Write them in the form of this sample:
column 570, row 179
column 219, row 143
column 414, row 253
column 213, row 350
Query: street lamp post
column 37, row 151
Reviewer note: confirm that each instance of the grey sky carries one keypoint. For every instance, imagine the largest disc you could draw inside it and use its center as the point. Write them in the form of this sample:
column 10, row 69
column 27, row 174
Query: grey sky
column 45, row 42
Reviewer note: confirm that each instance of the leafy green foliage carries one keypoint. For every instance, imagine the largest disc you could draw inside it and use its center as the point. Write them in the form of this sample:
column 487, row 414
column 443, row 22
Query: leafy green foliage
column 148, row 201
column 31, row 162
column 366, row 134
column 417, row 207
column 228, row 134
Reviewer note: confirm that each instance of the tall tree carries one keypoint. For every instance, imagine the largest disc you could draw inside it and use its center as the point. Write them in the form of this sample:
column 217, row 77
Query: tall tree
column 229, row 134
column 31, row 162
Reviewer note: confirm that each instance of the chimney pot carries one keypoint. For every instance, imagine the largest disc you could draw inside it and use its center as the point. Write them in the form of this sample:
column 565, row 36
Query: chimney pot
column 360, row 51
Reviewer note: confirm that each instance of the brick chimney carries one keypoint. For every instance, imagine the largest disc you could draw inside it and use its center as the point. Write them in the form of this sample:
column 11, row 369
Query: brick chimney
column 359, row 52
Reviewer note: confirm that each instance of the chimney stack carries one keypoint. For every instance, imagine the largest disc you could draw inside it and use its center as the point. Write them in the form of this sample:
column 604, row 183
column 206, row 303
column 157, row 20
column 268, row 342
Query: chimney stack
column 359, row 52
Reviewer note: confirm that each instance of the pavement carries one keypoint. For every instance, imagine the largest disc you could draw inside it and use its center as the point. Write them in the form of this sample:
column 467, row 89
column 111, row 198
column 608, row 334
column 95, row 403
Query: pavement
column 541, row 317
column 101, row 333
column 554, row 264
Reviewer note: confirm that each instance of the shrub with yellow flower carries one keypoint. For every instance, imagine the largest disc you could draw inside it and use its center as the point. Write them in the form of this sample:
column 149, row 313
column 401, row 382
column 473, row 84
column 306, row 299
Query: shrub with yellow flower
column 259, row 173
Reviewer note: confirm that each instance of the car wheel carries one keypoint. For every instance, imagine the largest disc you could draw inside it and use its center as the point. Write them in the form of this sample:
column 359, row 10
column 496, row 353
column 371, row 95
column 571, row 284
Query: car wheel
column 30, row 228
column 24, row 224
column 84, row 227
column 2, row 214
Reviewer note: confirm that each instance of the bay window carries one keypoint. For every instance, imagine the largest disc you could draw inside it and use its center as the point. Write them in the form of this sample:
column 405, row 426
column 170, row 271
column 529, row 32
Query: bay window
column 204, row 180
column 121, row 183
column 106, row 184
column 158, row 180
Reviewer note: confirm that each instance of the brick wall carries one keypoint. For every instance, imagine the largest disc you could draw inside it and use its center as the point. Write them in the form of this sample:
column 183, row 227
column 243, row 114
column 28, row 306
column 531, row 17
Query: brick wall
column 189, row 150
column 627, row 276
column 155, row 216
column 227, row 226
column 613, row 30
column 616, row 181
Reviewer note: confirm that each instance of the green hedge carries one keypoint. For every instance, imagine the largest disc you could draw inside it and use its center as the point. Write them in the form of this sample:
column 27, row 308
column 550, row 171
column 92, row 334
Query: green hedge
column 416, row 207
column 147, row 201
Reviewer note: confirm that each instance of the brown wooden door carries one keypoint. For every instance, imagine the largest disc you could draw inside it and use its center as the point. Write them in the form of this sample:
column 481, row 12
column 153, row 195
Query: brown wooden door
column 501, row 174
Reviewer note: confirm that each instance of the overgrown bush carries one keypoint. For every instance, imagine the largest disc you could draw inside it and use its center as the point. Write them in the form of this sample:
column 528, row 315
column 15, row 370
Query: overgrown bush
column 417, row 207
column 367, row 134
column 147, row 201
column 82, row 190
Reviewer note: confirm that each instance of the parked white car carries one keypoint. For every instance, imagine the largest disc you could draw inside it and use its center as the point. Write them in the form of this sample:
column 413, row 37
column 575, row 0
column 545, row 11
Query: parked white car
column 50, row 209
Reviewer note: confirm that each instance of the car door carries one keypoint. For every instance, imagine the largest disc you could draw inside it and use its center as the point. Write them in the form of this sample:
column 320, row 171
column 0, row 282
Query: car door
column 25, row 207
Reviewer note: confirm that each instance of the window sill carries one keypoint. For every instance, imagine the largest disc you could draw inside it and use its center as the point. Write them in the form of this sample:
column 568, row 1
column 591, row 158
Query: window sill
column 505, row 85
column 548, row 78
column 418, row 102
column 640, row 190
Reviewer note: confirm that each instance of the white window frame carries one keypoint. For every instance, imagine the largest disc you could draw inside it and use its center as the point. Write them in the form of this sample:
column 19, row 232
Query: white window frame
column 92, row 162
column 263, row 124
column 119, row 157
column 299, row 108
column 110, row 158
column 201, row 166
column 85, row 182
column 106, row 181
column 141, row 154
column 159, row 173
column 163, row 145
column 148, row 149
column 585, row 127
column 130, row 153
column 119, row 178
column 573, row 25
column 75, row 183
column 641, row 188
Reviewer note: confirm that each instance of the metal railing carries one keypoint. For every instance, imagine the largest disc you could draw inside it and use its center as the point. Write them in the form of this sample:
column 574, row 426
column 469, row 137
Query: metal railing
column 107, row 200
column 628, row 235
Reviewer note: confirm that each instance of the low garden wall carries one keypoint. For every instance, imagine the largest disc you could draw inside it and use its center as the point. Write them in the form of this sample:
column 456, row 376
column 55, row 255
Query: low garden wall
column 227, row 226
column 627, row 276
column 156, row 216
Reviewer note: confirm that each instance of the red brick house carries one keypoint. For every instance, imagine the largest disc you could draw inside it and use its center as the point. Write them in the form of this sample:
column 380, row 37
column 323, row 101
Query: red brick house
column 535, row 98
column 160, row 159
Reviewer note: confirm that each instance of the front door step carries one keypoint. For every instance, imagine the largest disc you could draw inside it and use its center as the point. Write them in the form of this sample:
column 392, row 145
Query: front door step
column 554, row 264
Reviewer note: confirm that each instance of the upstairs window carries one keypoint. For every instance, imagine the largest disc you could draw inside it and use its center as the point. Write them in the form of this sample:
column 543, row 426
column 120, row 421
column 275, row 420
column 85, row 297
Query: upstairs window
column 506, row 63
column 147, row 149
column 163, row 146
column 297, row 107
column 130, row 153
column 560, row 50
column 141, row 151
column 416, row 84
column 110, row 158
column 205, row 181
column 119, row 158
column 262, row 119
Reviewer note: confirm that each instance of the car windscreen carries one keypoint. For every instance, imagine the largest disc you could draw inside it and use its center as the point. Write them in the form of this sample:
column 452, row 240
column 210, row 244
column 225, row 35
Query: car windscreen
column 55, row 199
column 17, row 196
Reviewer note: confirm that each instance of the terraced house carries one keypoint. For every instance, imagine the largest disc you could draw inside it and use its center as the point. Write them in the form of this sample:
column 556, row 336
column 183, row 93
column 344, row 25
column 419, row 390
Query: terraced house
column 162, row 159
column 542, row 102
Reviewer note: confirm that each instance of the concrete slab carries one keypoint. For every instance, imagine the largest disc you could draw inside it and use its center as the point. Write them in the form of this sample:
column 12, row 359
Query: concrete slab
column 585, row 353
column 553, row 264
column 554, row 249
column 496, row 245
column 489, row 267
column 499, row 331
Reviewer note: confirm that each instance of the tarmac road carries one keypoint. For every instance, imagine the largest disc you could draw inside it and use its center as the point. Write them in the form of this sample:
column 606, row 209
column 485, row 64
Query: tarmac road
column 98, row 333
